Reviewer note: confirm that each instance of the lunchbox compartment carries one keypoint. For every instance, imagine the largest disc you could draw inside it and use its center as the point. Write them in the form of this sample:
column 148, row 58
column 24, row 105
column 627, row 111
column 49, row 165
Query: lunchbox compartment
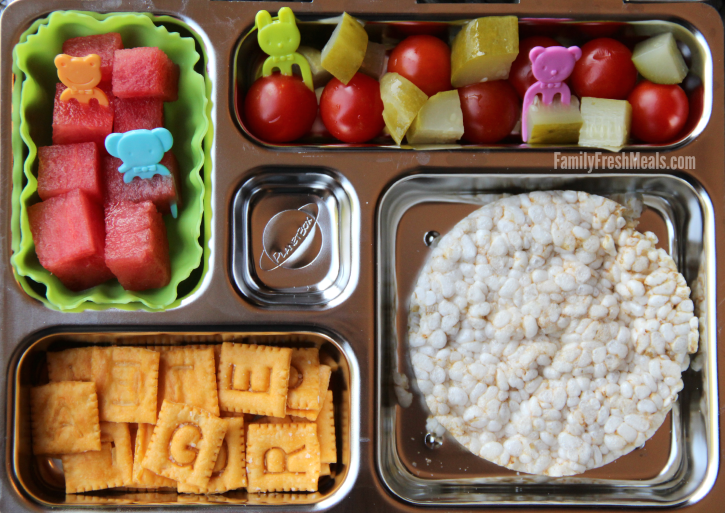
column 189, row 120
column 315, row 31
column 40, row 478
column 293, row 238
column 676, row 466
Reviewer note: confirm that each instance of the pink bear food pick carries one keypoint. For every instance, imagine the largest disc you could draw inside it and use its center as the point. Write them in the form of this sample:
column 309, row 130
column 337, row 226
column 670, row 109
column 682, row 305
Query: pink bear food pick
column 550, row 66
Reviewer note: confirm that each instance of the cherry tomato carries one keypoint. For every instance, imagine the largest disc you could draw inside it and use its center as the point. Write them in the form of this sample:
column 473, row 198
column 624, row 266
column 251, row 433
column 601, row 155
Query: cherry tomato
column 605, row 70
column 279, row 108
column 425, row 61
column 520, row 75
column 490, row 111
column 353, row 113
column 659, row 111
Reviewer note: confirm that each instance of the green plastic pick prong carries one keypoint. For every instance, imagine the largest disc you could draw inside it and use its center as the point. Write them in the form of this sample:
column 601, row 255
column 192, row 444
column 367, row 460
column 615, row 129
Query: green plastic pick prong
column 279, row 38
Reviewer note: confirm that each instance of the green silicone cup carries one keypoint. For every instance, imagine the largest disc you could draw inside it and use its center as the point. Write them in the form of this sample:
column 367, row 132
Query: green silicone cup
column 188, row 119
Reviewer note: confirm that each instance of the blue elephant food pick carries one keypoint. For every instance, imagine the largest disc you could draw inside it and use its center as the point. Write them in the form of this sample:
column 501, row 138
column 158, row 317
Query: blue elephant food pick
column 141, row 151
column 279, row 38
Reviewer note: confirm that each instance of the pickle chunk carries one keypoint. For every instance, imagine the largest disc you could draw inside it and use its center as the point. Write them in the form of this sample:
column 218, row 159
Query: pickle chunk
column 344, row 52
column 557, row 123
column 440, row 120
column 320, row 76
column 401, row 102
column 484, row 50
column 606, row 123
column 659, row 60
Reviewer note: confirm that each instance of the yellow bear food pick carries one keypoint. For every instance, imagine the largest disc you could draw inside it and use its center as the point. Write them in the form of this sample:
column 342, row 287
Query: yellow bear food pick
column 80, row 75
column 279, row 38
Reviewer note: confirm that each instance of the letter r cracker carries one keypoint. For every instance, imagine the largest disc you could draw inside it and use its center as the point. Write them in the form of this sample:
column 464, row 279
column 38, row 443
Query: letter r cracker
column 127, row 383
column 187, row 375
column 111, row 467
column 65, row 418
column 230, row 469
column 283, row 458
column 254, row 379
column 185, row 444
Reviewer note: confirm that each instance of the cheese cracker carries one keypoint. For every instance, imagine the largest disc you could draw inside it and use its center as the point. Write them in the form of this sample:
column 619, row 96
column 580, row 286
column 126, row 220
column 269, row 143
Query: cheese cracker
column 230, row 471
column 188, row 376
column 65, row 418
column 325, row 430
column 127, row 382
column 254, row 379
column 185, row 443
column 143, row 478
column 283, row 457
column 311, row 414
column 70, row 365
column 110, row 467
column 304, row 380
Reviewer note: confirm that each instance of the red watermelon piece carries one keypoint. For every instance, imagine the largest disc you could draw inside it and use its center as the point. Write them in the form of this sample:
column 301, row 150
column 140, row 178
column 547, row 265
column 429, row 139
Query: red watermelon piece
column 65, row 167
column 137, row 113
column 163, row 191
column 137, row 250
column 69, row 236
column 102, row 45
column 75, row 122
column 145, row 72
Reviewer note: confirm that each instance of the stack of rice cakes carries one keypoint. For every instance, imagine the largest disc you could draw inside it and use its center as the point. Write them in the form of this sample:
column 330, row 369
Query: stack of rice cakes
column 194, row 412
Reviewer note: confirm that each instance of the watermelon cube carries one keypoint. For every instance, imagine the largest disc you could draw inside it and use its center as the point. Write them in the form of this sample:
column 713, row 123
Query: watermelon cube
column 66, row 167
column 162, row 191
column 137, row 250
column 102, row 45
column 145, row 72
column 75, row 122
column 69, row 236
column 137, row 113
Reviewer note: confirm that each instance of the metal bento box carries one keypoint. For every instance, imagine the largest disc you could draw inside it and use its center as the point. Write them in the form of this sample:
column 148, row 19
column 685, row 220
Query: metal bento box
column 365, row 216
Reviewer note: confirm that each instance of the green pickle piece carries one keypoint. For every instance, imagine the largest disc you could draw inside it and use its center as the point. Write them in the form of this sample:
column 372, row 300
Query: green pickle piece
column 484, row 50
column 344, row 53
column 659, row 60
column 606, row 123
column 402, row 100
column 554, row 124
column 440, row 120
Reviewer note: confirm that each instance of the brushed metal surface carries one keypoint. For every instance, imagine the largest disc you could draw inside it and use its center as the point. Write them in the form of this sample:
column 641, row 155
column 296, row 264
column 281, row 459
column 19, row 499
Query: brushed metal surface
column 217, row 304
column 292, row 238
column 678, row 465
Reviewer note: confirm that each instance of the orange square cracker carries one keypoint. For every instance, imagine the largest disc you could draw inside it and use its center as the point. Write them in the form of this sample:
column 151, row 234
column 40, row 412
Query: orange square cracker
column 70, row 365
column 185, row 444
column 127, row 383
column 325, row 430
column 254, row 379
column 142, row 477
column 188, row 376
column 304, row 379
column 110, row 467
column 282, row 457
column 311, row 414
column 65, row 418
column 230, row 471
